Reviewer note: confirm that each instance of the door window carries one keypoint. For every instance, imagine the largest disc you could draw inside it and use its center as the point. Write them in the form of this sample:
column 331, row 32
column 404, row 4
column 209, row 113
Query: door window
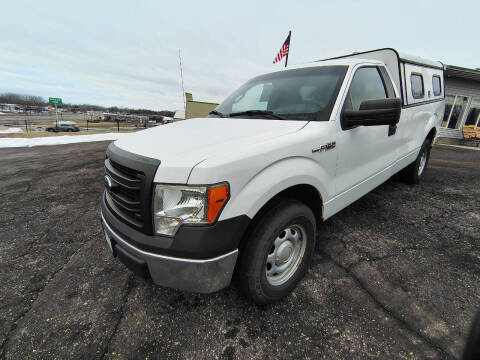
column 388, row 82
column 366, row 85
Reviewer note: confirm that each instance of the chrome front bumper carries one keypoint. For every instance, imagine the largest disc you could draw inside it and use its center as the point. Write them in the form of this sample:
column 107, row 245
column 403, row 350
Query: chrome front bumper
column 202, row 275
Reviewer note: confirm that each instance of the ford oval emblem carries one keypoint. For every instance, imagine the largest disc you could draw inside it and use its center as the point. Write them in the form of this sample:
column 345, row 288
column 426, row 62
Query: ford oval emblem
column 108, row 182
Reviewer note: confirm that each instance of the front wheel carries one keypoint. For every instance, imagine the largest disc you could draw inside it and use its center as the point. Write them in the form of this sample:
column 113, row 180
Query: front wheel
column 277, row 252
column 414, row 172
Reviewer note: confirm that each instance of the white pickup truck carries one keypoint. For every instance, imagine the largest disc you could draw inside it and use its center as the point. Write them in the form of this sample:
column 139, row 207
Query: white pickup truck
column 241, row 194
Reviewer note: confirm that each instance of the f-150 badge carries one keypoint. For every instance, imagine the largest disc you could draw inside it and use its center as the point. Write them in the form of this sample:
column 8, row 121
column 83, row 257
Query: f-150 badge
column 325, row 147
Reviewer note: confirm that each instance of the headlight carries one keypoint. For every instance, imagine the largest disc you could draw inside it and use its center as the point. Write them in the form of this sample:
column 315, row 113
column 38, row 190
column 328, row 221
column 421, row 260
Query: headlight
column 174, row 205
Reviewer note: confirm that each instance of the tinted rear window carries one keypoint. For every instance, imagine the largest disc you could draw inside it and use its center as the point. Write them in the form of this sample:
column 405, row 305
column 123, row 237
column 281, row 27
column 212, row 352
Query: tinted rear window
column 437, row 85
column 418, row 91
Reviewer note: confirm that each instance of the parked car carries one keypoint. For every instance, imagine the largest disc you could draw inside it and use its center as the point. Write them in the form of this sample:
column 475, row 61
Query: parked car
column 63, row 127
column 243, row 192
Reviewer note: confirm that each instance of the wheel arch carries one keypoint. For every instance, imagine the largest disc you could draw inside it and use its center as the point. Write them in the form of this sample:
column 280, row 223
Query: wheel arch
column 431, row 135
column 305, row 193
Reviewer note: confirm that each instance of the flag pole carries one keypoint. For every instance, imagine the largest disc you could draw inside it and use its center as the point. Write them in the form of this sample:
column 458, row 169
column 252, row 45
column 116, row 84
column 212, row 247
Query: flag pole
column 289, row 41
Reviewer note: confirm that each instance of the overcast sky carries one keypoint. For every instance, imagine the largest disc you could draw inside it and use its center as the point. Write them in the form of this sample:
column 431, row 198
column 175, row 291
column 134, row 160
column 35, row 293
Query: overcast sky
column 125, row 53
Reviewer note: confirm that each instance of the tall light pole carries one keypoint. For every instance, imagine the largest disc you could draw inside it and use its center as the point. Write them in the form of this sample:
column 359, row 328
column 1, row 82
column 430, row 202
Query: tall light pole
column 183, row 89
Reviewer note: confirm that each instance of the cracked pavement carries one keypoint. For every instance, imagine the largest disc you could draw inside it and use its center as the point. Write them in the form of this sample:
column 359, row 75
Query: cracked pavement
column 395, row 275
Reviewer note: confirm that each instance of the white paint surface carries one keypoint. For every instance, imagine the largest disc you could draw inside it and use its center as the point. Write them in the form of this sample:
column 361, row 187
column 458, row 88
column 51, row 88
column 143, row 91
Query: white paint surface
column 57, row 140
column 11, row 130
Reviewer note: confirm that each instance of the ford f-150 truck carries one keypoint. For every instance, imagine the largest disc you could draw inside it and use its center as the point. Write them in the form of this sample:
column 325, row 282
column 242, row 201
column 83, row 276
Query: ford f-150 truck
column 240, row 194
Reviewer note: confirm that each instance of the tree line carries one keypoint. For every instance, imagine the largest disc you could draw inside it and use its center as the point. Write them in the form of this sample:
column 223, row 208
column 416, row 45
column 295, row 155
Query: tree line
column 35, row 101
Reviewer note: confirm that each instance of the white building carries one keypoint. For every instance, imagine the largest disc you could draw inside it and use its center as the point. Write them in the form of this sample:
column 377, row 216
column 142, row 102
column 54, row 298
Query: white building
column 179, row 115
column 462, row 100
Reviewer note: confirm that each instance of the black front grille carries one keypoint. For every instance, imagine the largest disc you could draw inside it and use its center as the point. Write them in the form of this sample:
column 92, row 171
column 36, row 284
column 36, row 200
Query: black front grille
column 123, row 169
column 124, row 194
column 130, row 196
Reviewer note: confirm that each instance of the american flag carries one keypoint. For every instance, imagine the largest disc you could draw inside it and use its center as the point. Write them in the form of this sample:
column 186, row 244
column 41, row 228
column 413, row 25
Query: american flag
column 283, row 50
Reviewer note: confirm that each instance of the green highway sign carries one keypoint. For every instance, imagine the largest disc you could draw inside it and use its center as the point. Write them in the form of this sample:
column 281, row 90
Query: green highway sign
column 56, row 101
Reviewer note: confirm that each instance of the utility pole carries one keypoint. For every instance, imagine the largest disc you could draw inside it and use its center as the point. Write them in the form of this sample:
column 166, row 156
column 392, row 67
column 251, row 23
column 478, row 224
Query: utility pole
column 183, row 89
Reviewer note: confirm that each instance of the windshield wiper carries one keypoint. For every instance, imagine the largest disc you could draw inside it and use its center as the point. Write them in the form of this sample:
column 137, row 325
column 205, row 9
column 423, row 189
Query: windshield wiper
column 257, row 112
column 215, row 112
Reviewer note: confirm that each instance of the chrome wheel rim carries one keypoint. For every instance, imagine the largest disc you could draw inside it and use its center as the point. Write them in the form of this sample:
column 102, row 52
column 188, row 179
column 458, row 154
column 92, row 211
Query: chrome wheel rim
column 423, row 162
column 285, row 255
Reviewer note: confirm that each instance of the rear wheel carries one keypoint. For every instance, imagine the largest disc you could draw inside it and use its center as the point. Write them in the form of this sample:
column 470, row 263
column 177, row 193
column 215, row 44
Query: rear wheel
column 277, row 252
column 414, row 172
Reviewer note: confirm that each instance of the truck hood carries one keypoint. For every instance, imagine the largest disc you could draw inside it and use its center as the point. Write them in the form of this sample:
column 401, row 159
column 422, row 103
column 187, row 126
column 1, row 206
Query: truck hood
column 182, row 145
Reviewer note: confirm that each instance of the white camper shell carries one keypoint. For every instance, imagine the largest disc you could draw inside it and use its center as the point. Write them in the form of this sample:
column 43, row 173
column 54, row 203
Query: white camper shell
column 407, row 70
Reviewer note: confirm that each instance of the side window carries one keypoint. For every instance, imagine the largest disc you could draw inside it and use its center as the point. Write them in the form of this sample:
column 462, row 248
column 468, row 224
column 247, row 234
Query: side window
column 437, row 85
column 418, row 91
column 388, row 82
column 366, row 85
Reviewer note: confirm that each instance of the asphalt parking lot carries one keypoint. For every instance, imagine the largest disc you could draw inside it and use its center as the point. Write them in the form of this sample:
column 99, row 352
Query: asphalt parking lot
column 395, row 275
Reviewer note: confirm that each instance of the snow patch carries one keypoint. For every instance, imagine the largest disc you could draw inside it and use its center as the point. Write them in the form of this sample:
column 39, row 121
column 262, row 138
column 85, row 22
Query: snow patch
column 57, row 140
column 11, row 130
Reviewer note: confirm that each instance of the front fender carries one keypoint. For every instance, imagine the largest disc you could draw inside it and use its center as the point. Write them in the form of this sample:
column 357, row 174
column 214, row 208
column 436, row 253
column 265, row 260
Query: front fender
column 275, row 178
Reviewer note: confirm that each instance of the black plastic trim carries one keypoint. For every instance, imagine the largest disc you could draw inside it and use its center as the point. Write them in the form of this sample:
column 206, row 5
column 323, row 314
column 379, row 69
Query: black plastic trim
column 138, row 266
column 422, row 103
column 191, row 242
column 146, row 168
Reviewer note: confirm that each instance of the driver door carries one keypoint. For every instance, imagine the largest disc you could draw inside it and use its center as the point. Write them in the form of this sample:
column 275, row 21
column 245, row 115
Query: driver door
column 365, row 153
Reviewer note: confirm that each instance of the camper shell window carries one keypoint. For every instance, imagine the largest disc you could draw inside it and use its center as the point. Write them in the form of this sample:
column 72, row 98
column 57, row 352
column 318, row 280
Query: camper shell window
column 437, row 85
column 418, row 90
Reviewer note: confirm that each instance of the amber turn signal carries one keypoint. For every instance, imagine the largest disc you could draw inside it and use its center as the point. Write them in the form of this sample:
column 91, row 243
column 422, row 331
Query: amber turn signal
column 217, row 196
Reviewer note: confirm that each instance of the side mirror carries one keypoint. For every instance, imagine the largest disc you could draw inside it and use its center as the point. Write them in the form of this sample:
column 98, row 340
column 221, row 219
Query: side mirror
column 374, row 112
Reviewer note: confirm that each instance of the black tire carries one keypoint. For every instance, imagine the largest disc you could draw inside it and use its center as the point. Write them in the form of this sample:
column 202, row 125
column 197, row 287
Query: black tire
column 412, row 174
column 251, row 271
column 472, row 349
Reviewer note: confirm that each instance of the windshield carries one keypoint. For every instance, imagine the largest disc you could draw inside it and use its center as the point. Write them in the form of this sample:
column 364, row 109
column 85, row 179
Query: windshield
column 299, row 94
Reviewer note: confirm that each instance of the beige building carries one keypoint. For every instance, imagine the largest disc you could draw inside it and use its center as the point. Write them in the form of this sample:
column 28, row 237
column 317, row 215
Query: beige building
column 197, row 109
